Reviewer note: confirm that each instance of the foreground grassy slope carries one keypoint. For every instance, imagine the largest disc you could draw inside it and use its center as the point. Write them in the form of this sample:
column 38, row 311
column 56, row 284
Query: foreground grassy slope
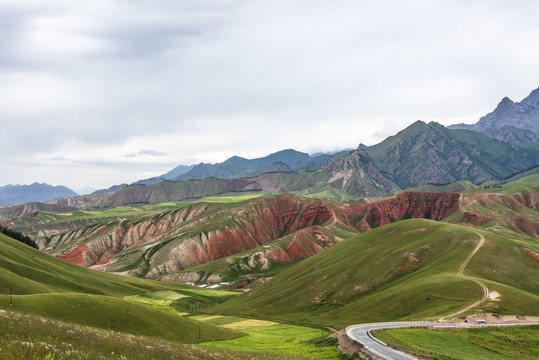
column 111, row 313
column 487, row 343
column 28, row 336
column 403, row 270
column 60, row 290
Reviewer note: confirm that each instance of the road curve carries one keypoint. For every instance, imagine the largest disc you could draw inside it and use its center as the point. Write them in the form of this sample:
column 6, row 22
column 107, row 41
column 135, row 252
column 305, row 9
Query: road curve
column 361, row 334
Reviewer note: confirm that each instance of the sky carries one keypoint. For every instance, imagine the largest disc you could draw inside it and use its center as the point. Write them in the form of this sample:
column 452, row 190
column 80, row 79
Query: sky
column 103, row 92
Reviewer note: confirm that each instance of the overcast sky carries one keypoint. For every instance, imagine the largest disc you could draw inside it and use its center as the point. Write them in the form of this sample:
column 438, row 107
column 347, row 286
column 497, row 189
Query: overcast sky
column 104, row 92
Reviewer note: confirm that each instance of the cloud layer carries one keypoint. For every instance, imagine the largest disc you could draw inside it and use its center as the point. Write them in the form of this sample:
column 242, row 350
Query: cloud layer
column 105, row 92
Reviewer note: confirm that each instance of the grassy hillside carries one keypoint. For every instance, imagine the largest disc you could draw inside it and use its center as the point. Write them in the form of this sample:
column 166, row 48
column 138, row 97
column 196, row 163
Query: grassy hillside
column 403, row 270
column 47, row 286
column 28, row 271
column 111, row 313
column 457, row 186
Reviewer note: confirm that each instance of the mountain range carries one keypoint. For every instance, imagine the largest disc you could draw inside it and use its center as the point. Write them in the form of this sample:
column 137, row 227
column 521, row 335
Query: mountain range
column 20, row 194
column 284, row 161
column 419, row 155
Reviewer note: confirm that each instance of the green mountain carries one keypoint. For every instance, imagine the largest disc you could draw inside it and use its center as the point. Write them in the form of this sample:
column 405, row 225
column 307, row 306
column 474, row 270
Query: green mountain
column 421, row 154
column 409, row 269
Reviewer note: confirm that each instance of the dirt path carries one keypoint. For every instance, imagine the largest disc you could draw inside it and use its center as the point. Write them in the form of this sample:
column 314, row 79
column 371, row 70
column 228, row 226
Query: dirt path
column 461, row 273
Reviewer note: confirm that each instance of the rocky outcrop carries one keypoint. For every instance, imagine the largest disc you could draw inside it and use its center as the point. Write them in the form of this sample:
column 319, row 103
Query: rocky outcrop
column 355, row 174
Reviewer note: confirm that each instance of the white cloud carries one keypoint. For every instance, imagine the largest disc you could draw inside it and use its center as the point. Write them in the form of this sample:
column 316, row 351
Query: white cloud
column 202, row 81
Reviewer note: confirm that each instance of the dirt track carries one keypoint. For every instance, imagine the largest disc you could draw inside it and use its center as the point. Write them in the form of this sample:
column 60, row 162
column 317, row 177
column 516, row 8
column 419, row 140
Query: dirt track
column 461, row 272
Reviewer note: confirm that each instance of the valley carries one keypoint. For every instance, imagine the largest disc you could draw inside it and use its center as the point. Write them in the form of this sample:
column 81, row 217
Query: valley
column 299, row 261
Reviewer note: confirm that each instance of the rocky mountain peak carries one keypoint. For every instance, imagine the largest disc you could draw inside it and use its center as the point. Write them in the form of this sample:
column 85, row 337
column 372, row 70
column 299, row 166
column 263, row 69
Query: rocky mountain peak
column 532, row 100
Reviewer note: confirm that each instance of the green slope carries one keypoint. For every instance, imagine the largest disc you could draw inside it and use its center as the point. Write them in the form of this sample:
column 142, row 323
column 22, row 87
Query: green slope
column 47, row 286
column 29, row 271
column 432, row 154
column 403, row 270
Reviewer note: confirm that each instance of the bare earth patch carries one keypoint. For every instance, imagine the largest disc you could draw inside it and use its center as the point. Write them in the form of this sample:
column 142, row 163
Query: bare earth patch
column 494, row 295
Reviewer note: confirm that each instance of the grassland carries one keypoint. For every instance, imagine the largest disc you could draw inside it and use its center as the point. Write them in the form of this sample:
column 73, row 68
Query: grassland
column 29, row 271
column 262, row 335
column 184, row 301
column 467, row 344
column 457, row 186
column 28, row 336
column 111, row 313
column 403, row 270
column 327, row 192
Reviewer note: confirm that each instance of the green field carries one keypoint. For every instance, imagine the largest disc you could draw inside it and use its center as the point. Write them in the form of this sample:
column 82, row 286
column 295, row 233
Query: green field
column 489, row 343
column 111, row 313
column 270, row 337
column 184, row 301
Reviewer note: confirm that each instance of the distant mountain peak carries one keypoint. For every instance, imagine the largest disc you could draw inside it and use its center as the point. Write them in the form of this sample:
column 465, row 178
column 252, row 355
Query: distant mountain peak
column 520, row 118
column 361, row 146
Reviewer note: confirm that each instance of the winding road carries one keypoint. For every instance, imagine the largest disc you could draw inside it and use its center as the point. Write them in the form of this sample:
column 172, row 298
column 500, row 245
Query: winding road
column 361, row 333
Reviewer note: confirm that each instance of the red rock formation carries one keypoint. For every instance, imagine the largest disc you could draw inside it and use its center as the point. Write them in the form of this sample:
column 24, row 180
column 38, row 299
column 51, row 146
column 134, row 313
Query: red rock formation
column 183, row 238
column 403, row 206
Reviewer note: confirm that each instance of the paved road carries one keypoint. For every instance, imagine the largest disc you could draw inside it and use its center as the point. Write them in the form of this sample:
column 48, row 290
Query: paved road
column 361, row 334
